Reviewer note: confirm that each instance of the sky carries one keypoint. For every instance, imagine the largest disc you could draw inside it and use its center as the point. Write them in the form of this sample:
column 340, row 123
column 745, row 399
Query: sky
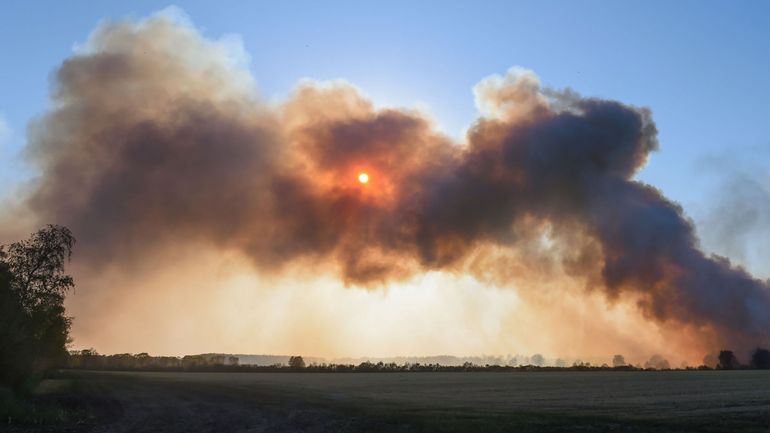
column 701, row 67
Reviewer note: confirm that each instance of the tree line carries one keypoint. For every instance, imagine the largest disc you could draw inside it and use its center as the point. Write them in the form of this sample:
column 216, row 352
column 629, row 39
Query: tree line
column 91, row 360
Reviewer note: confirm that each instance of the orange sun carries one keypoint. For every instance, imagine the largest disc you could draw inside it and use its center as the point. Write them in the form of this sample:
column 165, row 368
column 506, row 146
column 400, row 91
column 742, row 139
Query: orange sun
column 363, row 177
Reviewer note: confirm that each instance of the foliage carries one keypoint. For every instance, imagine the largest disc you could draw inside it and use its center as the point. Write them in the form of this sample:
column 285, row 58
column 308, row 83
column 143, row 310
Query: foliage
column 711, row 360
column 728, row 361
column 90, row 360
column 657, row 362
column 538, row 360
column 618, row 361
column 34, row 330
column 37, row 265
column 296, row 362
column 760, row 359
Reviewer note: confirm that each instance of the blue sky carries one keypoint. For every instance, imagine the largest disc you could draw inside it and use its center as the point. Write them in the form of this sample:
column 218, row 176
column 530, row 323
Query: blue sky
column 703, row 67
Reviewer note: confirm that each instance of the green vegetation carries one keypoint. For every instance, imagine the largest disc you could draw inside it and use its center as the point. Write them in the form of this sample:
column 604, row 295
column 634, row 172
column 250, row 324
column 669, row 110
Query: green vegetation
column 34, row 329
column 52, row 404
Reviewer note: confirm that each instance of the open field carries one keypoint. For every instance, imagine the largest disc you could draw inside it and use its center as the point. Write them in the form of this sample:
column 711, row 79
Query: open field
column 684, row 401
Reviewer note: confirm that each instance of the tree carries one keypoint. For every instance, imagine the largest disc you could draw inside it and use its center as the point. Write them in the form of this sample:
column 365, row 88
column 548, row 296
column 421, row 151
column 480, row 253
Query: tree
column 296, row 362
column 34, row 330
column 760, row 359
column 657, row 362
column 37, row 266
column 14, row 330
column 727, row 360
column 711, row 360
column 538, row 360
column 618, row 361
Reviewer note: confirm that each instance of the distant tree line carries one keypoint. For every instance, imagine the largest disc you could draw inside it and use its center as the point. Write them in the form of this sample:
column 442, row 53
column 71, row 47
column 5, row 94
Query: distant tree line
column 89, row 359
column 33, row 327
column 760, row 360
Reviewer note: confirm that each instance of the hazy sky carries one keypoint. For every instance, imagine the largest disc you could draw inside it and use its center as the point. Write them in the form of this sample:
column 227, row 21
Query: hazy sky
column 701, row 67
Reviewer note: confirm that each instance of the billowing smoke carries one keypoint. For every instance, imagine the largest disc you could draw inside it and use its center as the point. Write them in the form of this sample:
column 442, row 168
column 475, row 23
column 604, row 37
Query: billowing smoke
column 156, row 137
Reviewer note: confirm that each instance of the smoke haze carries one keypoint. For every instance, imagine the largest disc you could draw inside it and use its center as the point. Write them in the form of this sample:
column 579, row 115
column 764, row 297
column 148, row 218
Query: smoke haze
column 158, row 153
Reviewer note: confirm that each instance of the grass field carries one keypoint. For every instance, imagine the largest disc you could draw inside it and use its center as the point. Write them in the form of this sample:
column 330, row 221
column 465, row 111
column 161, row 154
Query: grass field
column 685, row 401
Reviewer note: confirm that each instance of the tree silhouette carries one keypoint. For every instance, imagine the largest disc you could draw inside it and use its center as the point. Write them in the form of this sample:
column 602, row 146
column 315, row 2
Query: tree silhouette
column 34, row 330
column 761, row 359
column 618, row 361
column 727, row 360
column 37, row 266
column 296, row 362
column 711, row 360
column 657, row 362
column 14, row 331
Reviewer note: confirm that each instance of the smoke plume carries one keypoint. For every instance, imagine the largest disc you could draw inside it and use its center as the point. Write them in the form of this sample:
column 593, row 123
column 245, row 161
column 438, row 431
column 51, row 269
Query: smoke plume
column 157, row 137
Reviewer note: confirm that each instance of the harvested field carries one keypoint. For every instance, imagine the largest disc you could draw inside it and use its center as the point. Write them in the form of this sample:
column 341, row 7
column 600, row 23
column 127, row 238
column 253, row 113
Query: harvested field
column 677, row 401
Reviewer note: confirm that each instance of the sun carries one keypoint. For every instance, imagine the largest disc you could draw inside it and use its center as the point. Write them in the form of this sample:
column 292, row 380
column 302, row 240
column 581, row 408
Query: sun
column 363, row 177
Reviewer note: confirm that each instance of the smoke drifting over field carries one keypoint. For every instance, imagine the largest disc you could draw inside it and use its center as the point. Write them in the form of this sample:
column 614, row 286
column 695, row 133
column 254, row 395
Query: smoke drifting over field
column 157, row 137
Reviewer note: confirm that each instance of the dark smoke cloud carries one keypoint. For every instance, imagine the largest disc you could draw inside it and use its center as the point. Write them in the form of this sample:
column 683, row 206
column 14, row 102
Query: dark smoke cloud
column 156, row 137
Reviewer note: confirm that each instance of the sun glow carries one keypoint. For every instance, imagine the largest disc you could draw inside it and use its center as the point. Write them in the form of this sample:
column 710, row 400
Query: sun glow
column 363, row 177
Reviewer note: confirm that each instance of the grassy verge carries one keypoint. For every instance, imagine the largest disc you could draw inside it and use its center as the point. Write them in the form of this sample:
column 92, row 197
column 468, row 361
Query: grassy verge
column 53, row 404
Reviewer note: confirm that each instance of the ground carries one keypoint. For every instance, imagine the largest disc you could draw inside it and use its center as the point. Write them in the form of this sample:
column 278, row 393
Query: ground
column 685, row 401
